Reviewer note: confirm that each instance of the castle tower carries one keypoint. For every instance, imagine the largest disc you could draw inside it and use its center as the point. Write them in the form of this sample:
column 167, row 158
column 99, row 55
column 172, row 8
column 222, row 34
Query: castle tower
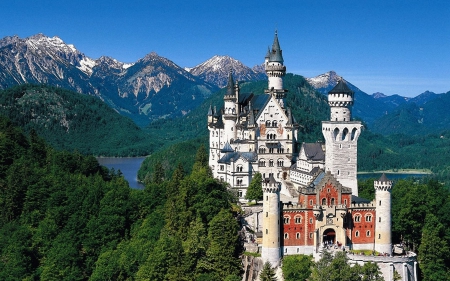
column 341, row 137
column 230, row 113
column 383, row 240
column 275, row 71
column 271, row 222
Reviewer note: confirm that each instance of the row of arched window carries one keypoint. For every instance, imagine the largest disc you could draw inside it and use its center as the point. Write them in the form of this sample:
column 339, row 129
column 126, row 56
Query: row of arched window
column 345, row 134
column 271, row 124
column 368, row 233
column 368, row 218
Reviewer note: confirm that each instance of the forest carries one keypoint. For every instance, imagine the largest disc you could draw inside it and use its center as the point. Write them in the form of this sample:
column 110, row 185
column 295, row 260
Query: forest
column 64, row 217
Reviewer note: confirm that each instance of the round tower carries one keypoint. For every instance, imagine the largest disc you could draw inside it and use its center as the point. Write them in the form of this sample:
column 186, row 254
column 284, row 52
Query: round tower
column 383, row 239
column 341, row 137
column 230, row 111
column 271, row 222
column 275, row 69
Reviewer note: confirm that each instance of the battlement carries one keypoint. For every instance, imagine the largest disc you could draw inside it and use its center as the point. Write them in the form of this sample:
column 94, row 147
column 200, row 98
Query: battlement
column 370, row 205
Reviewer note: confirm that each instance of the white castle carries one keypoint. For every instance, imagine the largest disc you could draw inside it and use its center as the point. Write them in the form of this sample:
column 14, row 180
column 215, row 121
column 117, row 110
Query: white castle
column 311, row 195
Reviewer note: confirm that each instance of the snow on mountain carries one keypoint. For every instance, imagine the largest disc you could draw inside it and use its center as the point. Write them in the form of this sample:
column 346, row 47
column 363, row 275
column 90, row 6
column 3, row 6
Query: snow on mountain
column 324, row 81
column 216, row 70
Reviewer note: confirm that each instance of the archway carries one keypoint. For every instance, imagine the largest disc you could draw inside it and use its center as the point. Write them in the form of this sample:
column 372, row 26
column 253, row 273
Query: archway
column 329, row 236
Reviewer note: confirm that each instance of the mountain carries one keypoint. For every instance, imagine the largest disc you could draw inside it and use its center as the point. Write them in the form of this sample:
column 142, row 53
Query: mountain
column 71, row 121
column 216, row 70
column 425, row 114
column 366, row 107
column 151, row 88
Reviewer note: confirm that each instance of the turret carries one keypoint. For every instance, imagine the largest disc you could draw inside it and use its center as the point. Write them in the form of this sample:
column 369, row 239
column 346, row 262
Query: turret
column 231, row 113
column 275, row 71
column 383, row 239
column 271, row 221
column 340, row 100
column 341, row 137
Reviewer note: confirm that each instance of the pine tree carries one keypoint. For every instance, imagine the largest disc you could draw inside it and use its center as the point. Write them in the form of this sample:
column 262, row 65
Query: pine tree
column 267, row 273
column 254, row 191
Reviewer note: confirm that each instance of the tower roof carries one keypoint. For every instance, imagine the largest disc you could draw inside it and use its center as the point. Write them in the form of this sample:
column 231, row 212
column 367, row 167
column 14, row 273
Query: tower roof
column 341, row 87
column 230, row 84
column 383, row 178
column 276, row 53
column 210, row 111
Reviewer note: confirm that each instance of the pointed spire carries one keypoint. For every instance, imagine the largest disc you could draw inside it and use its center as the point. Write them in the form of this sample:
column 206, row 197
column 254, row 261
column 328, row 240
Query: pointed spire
column 210, row 111
column 216, row 114
column 230, row 84
column 276, row 54
column 268, row 53
column 341, row 87
column 383, row 178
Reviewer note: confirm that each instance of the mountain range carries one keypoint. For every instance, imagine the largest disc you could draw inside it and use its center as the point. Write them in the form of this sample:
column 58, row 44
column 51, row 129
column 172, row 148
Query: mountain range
column 154, row 87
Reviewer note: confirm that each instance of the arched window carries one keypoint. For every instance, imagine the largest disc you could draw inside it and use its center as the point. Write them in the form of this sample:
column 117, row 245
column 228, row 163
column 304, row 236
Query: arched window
column 286, row 219
column 368, row 218
column 267, row 123
column 335, row 133
column 324, row 201
column 353, row 133
column 274, row 123
column 298, row 219
column 356, row 233
column 297, row 235
column 357, row 218
column 368, row 233
column 332, row 201
column 344, row 134
column 286, row 236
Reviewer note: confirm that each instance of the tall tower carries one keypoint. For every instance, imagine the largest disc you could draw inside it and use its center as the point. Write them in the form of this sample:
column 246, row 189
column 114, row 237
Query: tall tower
column 230, row 113
column 275, row 71
column 383, row 240
column 341, row 137
column 271, row 222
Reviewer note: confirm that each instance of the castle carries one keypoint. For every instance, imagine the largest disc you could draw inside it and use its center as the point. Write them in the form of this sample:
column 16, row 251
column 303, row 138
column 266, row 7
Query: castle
column 311, row 194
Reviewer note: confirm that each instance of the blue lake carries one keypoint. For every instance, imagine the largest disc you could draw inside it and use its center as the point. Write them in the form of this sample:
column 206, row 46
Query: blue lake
column 129, row 167
column 391, row 176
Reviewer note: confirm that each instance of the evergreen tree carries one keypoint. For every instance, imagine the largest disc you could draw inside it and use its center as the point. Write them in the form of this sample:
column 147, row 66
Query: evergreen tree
column 254, row 191
column 297, row 267
column 434, row 251
column 267, row 273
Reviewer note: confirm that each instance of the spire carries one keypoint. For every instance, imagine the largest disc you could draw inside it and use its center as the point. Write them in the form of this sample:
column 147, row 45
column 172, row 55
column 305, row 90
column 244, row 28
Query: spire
column 230, row 84
column 383, row 178
column 276, row 54
column 210, row 111
column 341, row 87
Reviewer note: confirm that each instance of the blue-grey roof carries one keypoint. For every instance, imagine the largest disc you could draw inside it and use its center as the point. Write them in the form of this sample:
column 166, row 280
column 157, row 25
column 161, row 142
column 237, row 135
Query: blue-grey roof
column 276, row 53
column 313, row 151
column 341, row 87
column 234, row 156
column 227, row 148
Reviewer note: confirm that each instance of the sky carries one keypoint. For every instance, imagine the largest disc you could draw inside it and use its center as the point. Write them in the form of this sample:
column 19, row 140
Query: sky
column 393, row 47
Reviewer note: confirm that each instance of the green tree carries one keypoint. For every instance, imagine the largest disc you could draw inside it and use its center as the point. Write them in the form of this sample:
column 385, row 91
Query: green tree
column 434, row 251
column 297, row 267
column 267, row 273
column 222, row 255
column 254, row 191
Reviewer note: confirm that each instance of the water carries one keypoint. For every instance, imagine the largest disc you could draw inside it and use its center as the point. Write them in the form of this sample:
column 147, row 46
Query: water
column 391, row 176
column 129, row 167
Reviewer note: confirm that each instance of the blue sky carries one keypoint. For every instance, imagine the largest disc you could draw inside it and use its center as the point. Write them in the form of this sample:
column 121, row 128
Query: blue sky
column 393, row 47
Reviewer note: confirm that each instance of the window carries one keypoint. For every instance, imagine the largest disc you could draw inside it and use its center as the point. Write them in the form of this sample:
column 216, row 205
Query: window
column 310, row 202
column 356, row 233
column 310, row 235
column 240, row 193
column 332, row 201
column 368, row 218
column 345, row 201
column 286, row 236
column 286, row 219
column 379, row 219
column 368, row 233
column 357, row 218
column 379, row 203
column 297, row 235
column 324, row 201
column 379, row 236
column 298, row 219
column 267, row 214
column 310, row 220
column 267, row 231
column 221, row 167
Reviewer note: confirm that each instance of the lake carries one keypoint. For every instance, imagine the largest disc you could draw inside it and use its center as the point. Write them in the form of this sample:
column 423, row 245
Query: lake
column 129, row 167
column 390, row 176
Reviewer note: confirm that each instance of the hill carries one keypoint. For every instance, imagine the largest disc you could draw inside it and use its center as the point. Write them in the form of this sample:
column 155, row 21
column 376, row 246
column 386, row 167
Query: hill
column 422, row 115
column 72, row 121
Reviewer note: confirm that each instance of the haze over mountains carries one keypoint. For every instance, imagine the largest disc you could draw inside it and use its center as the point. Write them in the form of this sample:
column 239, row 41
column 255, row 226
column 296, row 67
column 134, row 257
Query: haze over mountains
column 155, row 87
